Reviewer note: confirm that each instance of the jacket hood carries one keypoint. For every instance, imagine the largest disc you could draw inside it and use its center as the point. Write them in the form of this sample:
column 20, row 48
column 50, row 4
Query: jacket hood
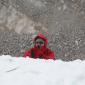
column 41, row 36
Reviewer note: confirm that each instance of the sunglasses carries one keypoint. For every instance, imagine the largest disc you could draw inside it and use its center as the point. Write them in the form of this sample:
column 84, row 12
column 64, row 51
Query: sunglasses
column 39, row 42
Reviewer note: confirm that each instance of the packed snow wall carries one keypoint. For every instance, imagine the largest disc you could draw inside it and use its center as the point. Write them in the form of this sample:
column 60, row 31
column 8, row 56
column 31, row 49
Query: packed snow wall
column 62, row 21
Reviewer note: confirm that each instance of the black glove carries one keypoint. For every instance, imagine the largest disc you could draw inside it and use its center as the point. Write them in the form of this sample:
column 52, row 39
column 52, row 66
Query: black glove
column 41, row 57
column 32, row 54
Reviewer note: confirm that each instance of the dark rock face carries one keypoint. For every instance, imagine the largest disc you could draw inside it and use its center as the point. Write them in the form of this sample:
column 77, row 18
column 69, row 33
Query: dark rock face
column 63, row 20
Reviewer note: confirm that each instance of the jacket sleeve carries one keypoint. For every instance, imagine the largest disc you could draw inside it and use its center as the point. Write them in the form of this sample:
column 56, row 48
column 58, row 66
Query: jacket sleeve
column 51, row 55
column 27, row 53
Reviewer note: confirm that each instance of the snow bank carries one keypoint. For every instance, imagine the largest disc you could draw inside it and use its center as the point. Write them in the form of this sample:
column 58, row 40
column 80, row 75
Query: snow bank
column 21, row 71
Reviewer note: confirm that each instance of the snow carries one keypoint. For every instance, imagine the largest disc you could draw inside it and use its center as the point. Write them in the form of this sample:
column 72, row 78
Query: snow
column 28, row 71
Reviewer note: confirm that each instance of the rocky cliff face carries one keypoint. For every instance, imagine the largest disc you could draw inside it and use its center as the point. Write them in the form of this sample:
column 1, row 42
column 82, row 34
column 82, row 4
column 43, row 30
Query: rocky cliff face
column 63, row 20
column 13, row 17
column 44, row 14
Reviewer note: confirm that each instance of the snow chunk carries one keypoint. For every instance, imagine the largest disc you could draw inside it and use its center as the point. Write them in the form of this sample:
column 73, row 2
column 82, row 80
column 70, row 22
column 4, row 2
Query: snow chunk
column 28, row 71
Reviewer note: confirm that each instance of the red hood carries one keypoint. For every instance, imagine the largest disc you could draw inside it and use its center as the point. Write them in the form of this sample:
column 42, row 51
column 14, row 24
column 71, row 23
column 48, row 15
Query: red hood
column 41, row 36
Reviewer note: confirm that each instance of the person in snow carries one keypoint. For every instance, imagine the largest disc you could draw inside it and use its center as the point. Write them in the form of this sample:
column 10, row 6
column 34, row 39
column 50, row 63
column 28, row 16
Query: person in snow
column 40, row 49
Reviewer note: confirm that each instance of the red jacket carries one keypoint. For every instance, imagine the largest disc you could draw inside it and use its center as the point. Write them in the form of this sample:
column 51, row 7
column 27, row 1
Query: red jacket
column 44, row 53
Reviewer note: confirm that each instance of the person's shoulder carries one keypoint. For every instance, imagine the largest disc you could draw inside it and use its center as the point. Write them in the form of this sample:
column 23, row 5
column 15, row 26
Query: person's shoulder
column 29, row 49
column 49, row 50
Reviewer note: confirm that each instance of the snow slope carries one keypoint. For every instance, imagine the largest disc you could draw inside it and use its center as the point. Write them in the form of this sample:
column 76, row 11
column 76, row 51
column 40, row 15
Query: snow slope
column 21, row 71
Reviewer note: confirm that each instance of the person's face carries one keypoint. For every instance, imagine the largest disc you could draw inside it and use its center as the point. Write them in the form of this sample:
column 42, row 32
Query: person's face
column 39, row 43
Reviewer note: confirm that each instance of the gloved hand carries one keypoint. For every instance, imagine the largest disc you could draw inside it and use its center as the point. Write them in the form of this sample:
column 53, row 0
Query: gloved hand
column 41, row 54
column 32, row 54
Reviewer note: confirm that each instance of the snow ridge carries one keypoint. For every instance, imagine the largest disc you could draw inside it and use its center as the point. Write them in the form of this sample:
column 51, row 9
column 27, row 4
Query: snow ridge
column 27, row 71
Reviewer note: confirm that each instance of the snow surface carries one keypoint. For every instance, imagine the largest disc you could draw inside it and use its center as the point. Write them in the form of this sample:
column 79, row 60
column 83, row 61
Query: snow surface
column 27, row 71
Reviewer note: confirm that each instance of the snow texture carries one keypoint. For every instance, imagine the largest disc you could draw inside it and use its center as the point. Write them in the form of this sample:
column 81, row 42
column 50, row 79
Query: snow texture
column 27, row 71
